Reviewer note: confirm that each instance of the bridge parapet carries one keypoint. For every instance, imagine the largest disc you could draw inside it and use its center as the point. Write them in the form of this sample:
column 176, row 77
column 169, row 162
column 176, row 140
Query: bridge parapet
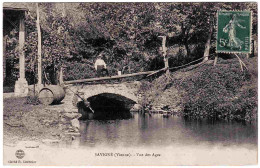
column 128, row 90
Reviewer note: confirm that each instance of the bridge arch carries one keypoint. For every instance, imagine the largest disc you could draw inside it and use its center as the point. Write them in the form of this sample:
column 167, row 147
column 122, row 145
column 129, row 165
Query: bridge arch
column 110, row 106
column 111, row 100
column 119, row 97
column 113, row 95
column 119, row 90
column 107, row 100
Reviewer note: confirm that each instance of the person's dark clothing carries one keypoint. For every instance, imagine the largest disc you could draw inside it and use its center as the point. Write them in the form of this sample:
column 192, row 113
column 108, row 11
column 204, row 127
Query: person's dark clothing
column 100, row 71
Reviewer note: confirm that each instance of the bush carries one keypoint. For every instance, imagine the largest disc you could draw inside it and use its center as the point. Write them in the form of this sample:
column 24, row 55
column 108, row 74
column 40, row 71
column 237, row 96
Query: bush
column 74, row 71
column 147, row 98
column 220, row 92
column 216, row 92
column 153, row 91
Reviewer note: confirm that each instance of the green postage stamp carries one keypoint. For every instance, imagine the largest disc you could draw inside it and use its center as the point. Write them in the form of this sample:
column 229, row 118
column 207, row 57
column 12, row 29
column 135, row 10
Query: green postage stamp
column 234, row 32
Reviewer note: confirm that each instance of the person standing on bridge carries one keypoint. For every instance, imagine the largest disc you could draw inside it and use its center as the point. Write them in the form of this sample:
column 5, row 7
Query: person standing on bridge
column 101, row 66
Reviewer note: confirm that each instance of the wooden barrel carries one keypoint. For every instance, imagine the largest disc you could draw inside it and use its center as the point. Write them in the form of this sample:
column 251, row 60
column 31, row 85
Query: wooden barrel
column 51, row 94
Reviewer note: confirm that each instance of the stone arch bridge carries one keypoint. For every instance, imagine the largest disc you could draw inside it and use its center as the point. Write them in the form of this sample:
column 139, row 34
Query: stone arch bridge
column 126, row 92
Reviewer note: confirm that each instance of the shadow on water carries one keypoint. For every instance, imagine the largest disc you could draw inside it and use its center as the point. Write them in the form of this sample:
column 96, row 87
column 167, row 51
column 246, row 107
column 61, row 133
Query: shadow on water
column 149, row 130
column 106, row 107
column 112, row 124
column 227, row 132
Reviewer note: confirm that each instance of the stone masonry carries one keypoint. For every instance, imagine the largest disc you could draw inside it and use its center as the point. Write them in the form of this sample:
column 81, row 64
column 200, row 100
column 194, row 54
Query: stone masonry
column 128, row 90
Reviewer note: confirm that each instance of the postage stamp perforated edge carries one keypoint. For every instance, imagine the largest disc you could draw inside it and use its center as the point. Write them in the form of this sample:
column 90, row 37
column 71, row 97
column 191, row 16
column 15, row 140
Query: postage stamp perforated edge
column 250, row 33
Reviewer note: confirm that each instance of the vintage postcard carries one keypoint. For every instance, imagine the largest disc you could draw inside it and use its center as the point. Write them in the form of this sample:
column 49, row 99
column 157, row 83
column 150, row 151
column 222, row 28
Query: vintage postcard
column 130, row 84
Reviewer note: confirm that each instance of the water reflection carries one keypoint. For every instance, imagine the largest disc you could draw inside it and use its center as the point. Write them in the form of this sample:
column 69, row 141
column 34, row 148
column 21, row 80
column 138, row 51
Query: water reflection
column 143, row 121
column 145, row 130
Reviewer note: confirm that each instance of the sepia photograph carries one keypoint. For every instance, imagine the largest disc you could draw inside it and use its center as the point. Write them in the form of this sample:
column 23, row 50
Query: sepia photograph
column 130, row 83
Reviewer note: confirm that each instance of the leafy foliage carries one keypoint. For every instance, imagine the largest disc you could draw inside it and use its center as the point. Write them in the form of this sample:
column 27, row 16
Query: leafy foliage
column 126, row 32
column 213, row 92
column 221, row 92
column 12, row 57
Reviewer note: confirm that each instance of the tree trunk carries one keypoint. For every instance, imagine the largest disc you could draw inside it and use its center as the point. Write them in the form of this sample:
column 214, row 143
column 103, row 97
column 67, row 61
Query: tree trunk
column 216, row 59
column 185, row 36
column 187, row 49
column 63, row 11
column 4, row 55
column 39, row 48
column 61, row 75
column 207, row 45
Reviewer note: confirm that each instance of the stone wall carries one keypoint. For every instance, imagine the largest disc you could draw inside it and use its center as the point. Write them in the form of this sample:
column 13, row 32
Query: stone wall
column 128, row 90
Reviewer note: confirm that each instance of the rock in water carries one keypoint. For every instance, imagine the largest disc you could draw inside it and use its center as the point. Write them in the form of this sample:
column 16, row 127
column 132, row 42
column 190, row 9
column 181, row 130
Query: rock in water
column 75, row 123
column 90, row 116
column 72, row 115
column 136, row 107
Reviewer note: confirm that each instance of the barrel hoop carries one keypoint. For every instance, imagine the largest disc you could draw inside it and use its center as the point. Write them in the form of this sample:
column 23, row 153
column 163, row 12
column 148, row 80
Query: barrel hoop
column 47, row 89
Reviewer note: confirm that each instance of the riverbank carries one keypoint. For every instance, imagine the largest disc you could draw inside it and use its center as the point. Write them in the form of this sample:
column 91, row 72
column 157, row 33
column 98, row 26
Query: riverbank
column 215, row 92
column 220, row 92
column 23, row 121
column 145, row 140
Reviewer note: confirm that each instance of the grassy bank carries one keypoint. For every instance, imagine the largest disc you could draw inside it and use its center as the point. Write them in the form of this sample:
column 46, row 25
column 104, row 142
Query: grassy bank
column 220, row 92
column 23, row 121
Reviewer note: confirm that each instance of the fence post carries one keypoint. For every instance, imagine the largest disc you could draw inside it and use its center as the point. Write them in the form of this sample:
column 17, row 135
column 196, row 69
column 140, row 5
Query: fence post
column 61, row 76
column 215, row 60
column 165, row 59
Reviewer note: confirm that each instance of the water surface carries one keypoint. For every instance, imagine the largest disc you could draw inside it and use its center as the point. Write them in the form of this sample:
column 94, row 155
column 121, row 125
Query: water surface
column 154, row 130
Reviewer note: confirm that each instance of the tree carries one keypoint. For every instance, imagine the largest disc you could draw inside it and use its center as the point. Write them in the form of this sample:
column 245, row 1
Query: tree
column 127, row 32
column 57, row 44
